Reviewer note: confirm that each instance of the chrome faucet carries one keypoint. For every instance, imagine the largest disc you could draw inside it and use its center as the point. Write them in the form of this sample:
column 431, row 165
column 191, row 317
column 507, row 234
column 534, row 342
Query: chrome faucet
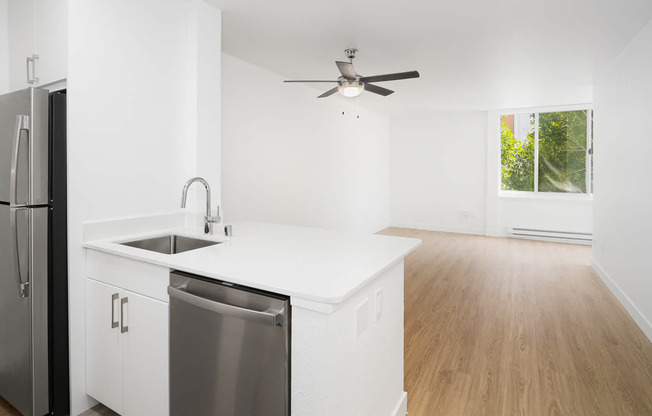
column 209, row 220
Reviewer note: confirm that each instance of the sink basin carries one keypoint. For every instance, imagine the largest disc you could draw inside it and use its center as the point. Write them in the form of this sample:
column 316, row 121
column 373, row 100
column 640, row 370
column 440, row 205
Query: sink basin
column 170, row 244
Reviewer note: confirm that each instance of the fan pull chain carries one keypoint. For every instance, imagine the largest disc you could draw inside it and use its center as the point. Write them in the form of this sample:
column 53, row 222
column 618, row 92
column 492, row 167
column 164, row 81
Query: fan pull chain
column 357, row 107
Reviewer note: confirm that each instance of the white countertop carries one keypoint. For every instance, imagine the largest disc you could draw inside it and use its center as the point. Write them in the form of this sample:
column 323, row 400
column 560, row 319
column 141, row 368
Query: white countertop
column 315, row 265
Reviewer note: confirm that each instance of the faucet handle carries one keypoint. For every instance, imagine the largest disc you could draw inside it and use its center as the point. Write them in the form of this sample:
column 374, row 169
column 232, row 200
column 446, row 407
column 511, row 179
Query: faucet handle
column 214, row 218
column 209, row 220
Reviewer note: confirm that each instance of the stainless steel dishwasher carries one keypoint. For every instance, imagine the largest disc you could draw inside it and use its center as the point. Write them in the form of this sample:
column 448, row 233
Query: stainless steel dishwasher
column 229, row 349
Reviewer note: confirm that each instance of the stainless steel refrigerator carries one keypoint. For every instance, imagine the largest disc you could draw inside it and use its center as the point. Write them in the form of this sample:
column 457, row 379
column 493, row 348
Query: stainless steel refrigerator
column 33, row 254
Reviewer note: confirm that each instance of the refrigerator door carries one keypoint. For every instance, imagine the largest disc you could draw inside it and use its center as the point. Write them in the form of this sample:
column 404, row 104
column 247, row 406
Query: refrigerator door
column 24, row 147
column 23, row 309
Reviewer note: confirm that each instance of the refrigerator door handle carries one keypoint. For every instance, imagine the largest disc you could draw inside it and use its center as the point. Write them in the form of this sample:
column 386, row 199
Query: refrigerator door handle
column 22, row 125
column 23, row 286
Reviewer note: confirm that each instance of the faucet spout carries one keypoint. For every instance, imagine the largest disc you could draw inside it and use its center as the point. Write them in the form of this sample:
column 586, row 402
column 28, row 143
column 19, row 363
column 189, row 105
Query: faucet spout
column 209, row 220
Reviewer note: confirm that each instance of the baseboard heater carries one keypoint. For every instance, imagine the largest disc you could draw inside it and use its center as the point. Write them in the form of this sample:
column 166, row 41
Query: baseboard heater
column 549, row 235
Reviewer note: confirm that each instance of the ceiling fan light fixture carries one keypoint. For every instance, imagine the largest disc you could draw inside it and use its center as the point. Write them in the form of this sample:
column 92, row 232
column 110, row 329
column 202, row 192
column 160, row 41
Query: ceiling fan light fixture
column 350, row 89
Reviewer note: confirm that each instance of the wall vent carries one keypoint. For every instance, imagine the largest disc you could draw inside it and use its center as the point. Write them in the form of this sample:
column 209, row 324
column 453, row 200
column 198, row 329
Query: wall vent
column 549, row 235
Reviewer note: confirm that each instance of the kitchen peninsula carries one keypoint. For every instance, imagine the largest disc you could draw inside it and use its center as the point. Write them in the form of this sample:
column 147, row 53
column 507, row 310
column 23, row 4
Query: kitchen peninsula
column 345, row 290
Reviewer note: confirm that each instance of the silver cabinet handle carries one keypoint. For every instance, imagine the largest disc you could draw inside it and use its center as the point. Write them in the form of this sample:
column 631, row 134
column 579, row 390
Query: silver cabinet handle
column 23, row 286
column 32, row 78
column 123, row 328
column 22, row 125
column 114, row 323
column 268, row 317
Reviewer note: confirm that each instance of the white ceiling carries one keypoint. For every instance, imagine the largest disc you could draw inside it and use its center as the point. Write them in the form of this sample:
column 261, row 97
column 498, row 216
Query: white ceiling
column 471, row 54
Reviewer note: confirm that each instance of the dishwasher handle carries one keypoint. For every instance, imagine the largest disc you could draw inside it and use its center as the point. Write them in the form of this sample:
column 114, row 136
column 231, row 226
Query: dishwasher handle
column 269, row 317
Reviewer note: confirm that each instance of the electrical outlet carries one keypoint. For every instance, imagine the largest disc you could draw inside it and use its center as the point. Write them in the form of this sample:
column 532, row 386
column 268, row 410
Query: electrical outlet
column 379, row 304
column 362, row 312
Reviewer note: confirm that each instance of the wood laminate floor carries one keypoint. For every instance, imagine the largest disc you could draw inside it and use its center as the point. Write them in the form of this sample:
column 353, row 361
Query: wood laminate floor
column 497, row 326
column 6, row 409
column 99, row 410
column 507, row 327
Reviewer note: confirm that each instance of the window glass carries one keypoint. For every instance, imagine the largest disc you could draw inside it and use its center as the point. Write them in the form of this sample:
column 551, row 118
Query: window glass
column 562, row 151
column 547, row 152
column 517, row 152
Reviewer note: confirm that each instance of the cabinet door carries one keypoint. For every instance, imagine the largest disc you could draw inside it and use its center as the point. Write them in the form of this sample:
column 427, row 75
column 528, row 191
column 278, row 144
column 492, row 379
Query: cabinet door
column 51, row 40
column 104, row 368
column 146, row 357
column 22, row 40
column 37, row 27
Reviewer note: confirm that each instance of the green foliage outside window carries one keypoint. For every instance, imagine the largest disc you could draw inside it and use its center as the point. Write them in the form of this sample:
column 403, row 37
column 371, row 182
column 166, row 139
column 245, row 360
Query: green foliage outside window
column 562, row 154
column 517, row 160
column 562, row 151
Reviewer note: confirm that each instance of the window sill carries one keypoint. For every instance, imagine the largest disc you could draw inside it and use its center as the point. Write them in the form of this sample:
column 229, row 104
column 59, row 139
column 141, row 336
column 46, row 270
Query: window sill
column 545, row 196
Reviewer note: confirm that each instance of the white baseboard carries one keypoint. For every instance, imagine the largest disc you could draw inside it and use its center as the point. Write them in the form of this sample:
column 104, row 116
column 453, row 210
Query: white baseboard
column 442, row 228
column 627, row 303
column 401, row 406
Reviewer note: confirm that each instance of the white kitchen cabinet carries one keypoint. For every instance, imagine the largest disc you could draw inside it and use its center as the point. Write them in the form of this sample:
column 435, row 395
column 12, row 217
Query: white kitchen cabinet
column 146, row 357
column 127, row 352
column 104, row 349
column 37, row 28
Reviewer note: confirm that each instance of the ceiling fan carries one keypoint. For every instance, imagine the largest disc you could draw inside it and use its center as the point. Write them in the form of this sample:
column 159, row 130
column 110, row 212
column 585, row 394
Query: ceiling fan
column 351, row 84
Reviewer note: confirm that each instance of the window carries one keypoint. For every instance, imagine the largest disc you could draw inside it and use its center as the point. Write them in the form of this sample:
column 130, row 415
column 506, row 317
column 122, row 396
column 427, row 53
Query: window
column 547, row 151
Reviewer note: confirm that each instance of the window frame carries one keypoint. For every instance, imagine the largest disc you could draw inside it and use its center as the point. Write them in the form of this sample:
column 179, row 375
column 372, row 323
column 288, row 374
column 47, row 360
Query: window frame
column 536, row 194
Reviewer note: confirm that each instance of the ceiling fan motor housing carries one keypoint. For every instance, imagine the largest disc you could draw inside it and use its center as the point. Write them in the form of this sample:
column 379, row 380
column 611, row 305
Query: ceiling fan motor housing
column 350, row 82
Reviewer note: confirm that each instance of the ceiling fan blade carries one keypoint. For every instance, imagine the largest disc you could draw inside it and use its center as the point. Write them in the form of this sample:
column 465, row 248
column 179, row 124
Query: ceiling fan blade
column 346, row 68
column 329, row 92
column 377, row 90
column 308, row 80
column 391, row 77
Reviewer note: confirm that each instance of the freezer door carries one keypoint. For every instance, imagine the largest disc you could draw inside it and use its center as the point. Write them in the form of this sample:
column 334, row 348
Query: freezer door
column 24, row 147
column 23, row 309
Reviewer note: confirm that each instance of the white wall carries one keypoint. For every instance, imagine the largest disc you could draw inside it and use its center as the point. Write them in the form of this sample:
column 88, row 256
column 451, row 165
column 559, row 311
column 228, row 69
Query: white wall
column 623, row 200
column 288, row 157
column 132, row 125
column 4, row 46
column 203, row 62
column 544, row 213
column 437, row 165
column 208, row 104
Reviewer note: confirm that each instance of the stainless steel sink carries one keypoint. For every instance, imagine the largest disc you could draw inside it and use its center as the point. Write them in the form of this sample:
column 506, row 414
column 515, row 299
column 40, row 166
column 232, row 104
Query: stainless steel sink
column 170, row 244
